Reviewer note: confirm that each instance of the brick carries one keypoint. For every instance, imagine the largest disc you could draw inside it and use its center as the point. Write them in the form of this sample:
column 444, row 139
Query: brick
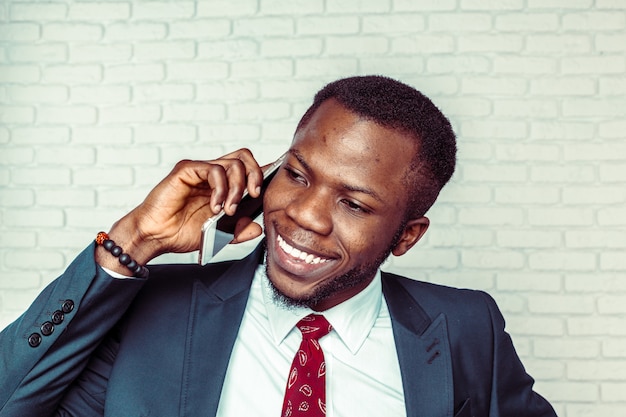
column 24, row 74
column 129, row 73
column 488, row 85
column 613, row 216
column 360, row 45
column 223, row 8
column 593, row 21
column 545, row 369
column 260, row 111
column 101, row 134
column 120, row 176
column 291, row 47
column 99, row 11
column 596, row 326
column 491, row 5
column 264, row 27
column 326, row 25
column 383, row 24
column 73, row 240
column 41, row 176
column 38, row 93
column 123, row 197
column 568, row 348
column 34, row 218
column 464, row 107
column 511, row 304
column 536, row 109
column 503, row 173
column 532, row 22
column 490, row 216
column 5, row 135
column 158, row 51
column 130, row 114
column 20, row 281
column 455, row 238
column 100, row 94
column 594, row 152
column 231, row 133
column 465, row 194
column 66, row 197
column 561, row 304
column 610, row 42
column 424, row 5
column 535, row 326
column 291, row 7
column 62, row 155
column 613, row 392
column 19, row 32
column 272, row 68
column 427, row 258
column 492, row 259
column 526, row 65
column 292, row 89
column 558, row 4
column 111, row 53
column 593, row 65
column 159, row 92
column 416, row 45
column 562, row 260
column 561, row 130
column 549, row 43
column 600, row 239
column 458, row 64
column 612, row 172
column 201, row 29
column 187, row 112
column 66, row 114
column 610, row 4
column 503, row 43
column 95, row 218
column 185, row 71
column 150, row 176
column 83, row 32
column 613, row 261
column 136, row 31
column 610, row 283
column 571, row 86
column 163, row 134
column 72, row 74
column 604, row 370
column 167, row 10
column 570, row 392
column 222, row 50
column 567, row 216
column 38, row 11
column 466, row 22
column 528, row 238
column 16, row 156
column 615, row 348
column 16, row 197
column 580, row 107
column 593, row 195
column 524, row 152
column 325, row 67
column 127, row 156
column 612, row 129
column 527, row 281
column 563, row 174
column 17, row 114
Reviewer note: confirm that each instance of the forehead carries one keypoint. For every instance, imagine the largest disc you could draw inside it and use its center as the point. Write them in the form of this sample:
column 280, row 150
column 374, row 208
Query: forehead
column 344, row 145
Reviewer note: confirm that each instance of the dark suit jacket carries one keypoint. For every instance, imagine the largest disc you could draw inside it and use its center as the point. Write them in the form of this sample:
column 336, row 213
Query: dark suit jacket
column 160, row 347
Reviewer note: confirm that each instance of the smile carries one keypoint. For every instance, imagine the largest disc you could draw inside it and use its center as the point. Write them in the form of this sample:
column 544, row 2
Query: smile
column 299, row 254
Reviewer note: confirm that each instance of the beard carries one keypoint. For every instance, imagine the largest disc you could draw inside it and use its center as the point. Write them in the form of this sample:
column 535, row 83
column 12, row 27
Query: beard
column 329, row 288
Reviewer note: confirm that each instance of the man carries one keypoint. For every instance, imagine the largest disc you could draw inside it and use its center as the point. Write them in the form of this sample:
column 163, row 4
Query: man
column 367, row 160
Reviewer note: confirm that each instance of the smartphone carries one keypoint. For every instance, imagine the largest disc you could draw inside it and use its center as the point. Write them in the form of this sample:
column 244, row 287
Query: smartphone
column 248, row 206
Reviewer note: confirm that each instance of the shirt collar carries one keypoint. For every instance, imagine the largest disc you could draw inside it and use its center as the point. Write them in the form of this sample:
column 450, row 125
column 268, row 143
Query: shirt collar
column 352, row 320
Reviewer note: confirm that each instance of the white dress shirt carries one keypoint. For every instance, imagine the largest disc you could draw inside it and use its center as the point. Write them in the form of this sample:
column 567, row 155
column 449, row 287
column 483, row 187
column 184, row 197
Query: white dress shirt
column 362, row 370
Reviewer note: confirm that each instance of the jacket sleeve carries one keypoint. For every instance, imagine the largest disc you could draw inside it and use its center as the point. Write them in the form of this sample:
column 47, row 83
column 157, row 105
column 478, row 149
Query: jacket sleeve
column 512, row 392
column 47, row 348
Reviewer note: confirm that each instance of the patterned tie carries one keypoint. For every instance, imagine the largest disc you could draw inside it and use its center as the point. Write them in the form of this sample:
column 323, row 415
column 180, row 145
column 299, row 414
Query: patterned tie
column 305, row 394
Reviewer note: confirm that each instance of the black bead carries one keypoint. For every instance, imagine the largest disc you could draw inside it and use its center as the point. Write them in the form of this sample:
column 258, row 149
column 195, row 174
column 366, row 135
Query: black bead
column 58, row 317
column 116, row 251
column 125, row 259
column 132, row 264
column 34, row 340
column 108, row 244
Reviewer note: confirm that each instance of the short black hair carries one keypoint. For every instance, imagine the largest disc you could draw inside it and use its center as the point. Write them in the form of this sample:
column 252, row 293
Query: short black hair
column 395, row 105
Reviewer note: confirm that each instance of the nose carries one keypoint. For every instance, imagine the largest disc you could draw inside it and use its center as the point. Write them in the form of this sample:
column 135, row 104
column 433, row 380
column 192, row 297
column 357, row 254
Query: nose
column 312, row 211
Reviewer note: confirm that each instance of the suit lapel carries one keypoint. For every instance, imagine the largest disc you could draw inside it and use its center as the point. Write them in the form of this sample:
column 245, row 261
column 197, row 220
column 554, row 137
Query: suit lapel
column 216, row 313
column 423, row 353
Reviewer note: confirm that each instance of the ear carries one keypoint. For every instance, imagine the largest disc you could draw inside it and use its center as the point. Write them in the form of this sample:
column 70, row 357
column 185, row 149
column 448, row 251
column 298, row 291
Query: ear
column 413, row 232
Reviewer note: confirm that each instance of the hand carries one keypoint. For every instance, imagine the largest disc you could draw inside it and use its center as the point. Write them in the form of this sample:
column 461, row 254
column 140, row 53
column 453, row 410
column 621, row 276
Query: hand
column 171, row 216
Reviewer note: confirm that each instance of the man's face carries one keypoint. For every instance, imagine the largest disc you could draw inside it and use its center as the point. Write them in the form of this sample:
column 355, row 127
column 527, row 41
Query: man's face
column 335, row 209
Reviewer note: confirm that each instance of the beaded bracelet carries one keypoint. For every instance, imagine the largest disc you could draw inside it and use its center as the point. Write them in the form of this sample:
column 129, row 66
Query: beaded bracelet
column 138, row 271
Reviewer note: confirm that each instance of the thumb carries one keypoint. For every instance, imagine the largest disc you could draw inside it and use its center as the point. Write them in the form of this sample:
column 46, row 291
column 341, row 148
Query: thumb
column 245, row 230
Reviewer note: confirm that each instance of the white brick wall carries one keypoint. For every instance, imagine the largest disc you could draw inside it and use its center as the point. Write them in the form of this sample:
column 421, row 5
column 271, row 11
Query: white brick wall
column 99, row 98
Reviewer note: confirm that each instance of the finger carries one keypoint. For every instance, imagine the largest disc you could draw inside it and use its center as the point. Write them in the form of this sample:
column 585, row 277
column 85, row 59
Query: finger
column 253, row 172
column 245, row 230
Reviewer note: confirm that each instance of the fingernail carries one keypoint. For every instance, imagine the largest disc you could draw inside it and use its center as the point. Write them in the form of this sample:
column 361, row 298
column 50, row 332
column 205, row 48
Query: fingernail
column 217, row 208
column 258, row 190
column 233, row 208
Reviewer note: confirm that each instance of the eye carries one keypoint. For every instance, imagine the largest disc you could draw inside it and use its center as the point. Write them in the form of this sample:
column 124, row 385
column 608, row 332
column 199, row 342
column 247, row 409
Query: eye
column 295, row 175
column 354, row 206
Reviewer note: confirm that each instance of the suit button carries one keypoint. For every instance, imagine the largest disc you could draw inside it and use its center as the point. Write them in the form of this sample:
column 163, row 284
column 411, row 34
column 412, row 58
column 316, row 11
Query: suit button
column 47, row 328
column 34, row 340
column 58, row 317
column 67, row 306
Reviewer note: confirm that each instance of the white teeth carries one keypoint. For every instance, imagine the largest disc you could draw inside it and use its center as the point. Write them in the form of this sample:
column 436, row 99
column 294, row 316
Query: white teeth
column 298, row 254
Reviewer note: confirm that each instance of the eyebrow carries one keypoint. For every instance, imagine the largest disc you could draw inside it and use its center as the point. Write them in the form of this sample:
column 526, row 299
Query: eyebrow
column 346, row 187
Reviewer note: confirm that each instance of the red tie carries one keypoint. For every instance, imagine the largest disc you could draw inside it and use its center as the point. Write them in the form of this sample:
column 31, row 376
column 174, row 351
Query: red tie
column 305, row 394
